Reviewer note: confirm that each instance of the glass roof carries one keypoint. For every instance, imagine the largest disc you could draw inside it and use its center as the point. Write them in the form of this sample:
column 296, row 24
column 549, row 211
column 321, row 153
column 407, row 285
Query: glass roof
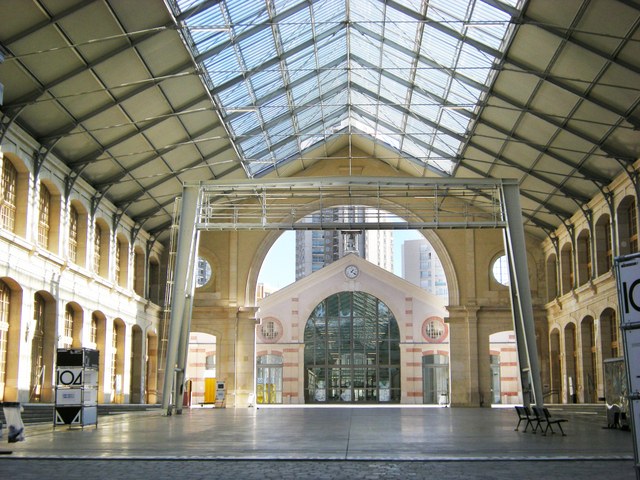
column 287, row 75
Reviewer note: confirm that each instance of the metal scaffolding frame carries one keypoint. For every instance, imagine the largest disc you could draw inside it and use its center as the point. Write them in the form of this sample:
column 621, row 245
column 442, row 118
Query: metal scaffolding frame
column 395, row 203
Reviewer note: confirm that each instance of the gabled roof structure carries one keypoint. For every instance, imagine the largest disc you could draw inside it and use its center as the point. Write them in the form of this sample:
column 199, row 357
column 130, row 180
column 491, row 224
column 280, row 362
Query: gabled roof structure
column 138, row 96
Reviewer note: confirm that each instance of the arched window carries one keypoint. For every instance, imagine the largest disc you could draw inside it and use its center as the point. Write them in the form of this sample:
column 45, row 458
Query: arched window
column 44, row 212
column 352, row 351
column 9, row 188
column 93, row 335
column 584, row 257
column 435, row 379
column 604, row 245
column 5, row 299
column 73, row 234
column 97, row 251
column 116, row 273
column 67, row 340
column 114, row 351
column 269, row 379
column 566, row 266
column 552, row 278
column 37, row 347
column 627, row 217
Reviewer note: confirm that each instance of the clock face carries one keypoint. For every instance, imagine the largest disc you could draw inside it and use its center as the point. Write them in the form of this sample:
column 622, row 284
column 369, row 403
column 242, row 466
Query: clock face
column 351, row 271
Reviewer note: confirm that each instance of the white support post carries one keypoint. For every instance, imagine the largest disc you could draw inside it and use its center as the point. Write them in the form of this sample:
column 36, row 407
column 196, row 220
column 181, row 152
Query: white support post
column 522, row 305
column 186, row 239
column 183, row 347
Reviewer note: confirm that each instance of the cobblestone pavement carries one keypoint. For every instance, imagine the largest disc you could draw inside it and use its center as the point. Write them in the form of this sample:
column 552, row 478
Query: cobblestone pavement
column 68, row 469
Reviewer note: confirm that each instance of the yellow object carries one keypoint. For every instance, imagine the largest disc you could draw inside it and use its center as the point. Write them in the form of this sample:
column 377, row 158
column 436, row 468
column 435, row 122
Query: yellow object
column 209, row 390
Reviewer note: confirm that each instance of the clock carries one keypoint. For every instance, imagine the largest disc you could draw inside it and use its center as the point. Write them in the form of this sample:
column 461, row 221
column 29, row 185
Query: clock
column 351, row 271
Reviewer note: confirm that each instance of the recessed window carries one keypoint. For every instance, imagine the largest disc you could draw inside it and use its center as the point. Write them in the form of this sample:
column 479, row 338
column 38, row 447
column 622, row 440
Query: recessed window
column 203, row 274
column 434, row 329
column 270, row 331
column 501, row 271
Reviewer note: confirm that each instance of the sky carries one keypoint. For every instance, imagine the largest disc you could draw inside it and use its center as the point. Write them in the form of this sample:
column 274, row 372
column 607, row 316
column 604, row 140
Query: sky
column 279, row 267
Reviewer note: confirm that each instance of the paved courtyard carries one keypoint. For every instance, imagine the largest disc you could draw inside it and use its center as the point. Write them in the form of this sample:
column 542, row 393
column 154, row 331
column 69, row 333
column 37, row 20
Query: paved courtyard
column 309, row 443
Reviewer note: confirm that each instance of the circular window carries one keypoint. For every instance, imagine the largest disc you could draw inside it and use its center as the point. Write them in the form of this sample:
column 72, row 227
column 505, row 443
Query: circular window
column 203, row 274
column 434, row 330
column 501, row 271
column 270, row 331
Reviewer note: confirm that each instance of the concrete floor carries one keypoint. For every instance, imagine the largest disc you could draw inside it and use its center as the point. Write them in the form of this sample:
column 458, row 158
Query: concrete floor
column 383, row 435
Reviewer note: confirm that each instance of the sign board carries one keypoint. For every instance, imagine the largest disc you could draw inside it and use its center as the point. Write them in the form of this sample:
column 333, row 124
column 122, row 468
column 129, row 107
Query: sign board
column 628, row 282
column 69, row 377
column 629, row 290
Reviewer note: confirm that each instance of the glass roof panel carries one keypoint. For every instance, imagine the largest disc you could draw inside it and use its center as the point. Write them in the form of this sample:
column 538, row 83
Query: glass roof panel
column 367, row 13
column 296, row 29
column 400, row 28
column 389, row 59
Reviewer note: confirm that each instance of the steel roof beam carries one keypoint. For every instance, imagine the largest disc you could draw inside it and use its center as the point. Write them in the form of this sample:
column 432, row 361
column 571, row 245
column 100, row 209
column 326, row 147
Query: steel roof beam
column 161, row 151
column 93, row 157
column 566, row 128
column 407, row 51
column 283, row 142
column 574, row 91
column 438, row 99
column 45, row 23
column 33, row 96
column 196, row 9
column 253, row 30
column 406, row 111
column 566, row 191
column 422, row 143
column 444, row 29
column 276, row 60
column 541, row 223
column 588, row 174
column 286, row 116
column 566, row 36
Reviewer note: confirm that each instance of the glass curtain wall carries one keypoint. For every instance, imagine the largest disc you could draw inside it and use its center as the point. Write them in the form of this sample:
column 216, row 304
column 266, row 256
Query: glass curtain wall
column 352, row 351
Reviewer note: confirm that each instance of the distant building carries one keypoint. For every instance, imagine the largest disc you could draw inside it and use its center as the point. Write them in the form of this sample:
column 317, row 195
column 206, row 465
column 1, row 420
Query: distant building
column 264, row 290
column 318, row 248
column 421, row 266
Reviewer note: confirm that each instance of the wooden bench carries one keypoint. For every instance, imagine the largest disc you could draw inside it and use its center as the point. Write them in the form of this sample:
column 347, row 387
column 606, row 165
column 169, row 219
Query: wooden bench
column 524, row 414
column 543, row 416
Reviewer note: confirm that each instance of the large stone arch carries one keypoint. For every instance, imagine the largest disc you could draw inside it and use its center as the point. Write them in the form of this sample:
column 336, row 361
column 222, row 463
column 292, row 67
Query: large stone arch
column 430, row 235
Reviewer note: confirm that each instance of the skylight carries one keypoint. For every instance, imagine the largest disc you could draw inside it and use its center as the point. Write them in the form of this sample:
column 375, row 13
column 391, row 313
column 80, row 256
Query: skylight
column 286, row 75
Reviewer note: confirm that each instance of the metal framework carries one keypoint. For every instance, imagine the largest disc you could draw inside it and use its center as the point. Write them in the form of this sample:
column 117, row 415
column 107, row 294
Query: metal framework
column 413, row 204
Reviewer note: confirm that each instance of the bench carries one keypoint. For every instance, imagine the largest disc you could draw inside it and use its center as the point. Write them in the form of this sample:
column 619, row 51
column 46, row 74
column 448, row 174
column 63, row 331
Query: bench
column 524, row 414
column 543, row 416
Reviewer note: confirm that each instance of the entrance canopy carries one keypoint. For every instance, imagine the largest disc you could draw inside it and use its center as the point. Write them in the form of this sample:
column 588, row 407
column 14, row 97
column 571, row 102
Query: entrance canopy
column 277, row 204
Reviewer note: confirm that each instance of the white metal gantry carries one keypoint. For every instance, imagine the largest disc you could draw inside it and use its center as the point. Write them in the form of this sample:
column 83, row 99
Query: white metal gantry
column 411, row 203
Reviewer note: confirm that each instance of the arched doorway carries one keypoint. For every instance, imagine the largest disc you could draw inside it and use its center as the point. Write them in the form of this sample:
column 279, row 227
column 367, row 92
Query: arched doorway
column 556, row 367
column 137, row 352
column 570, row 361
column 435, row 379
column 352, row 351
column 151, row 379
column 42, row 347
column 589, row 360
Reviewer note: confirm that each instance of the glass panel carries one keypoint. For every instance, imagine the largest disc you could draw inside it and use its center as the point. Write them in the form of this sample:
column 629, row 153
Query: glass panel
column 394, row 355
column 358, row 328
column 383, row 351
column 394, row 330
column 358, row 304
column 345, row 328
column 345, row 304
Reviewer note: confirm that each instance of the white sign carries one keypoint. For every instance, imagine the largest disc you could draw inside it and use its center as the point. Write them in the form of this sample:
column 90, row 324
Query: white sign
column 69, row 377
column 629, row 288
column 633, row 350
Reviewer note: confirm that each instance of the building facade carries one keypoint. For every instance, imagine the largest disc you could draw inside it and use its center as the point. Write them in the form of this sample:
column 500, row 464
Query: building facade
column 318, row 248
column 74, row 273
column 421, row 266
